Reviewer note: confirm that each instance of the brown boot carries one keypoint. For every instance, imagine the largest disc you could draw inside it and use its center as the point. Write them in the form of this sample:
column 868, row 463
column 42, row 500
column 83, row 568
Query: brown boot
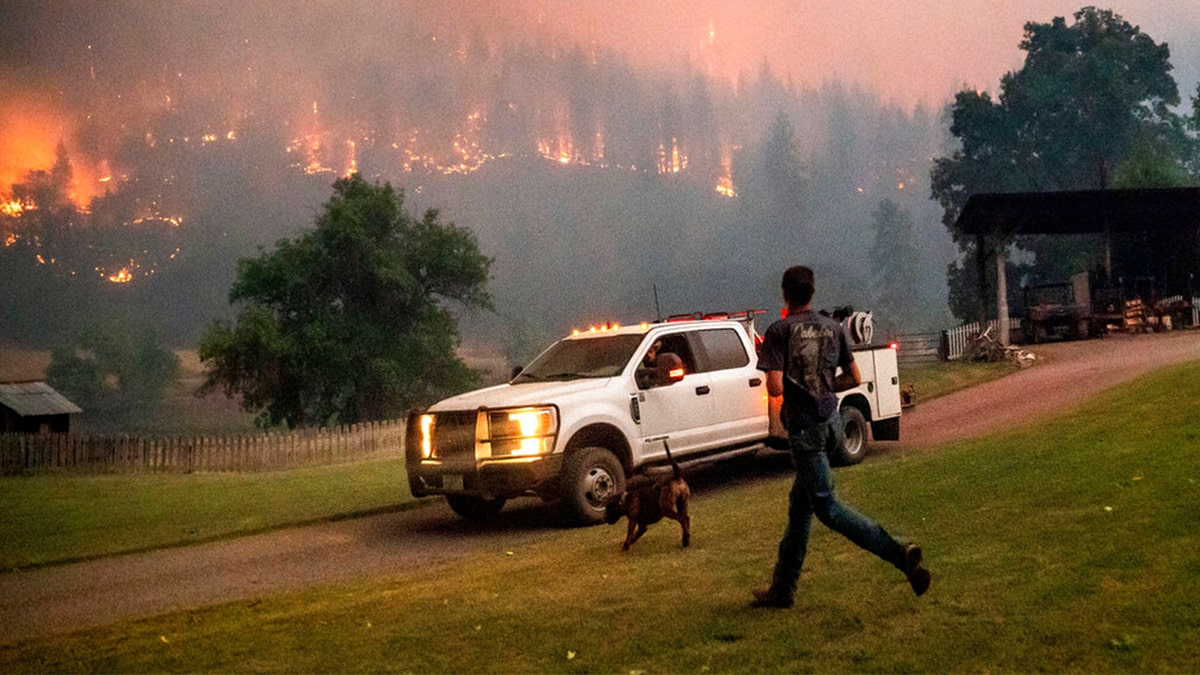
column 918, row 577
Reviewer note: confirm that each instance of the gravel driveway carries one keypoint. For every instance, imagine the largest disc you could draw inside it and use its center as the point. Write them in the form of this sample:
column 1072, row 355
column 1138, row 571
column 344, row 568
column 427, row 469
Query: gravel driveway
column 70, row 597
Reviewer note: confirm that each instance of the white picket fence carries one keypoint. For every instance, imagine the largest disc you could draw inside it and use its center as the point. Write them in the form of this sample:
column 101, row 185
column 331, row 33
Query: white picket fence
column 956, row 340
column 1195, row 307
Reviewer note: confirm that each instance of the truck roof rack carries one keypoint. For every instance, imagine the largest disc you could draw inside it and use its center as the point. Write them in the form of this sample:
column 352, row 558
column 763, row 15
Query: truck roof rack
column 713, row 316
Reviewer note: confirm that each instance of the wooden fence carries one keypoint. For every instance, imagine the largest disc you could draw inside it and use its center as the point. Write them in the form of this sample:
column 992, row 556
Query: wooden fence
column 25, row 454
column 917, row 347
column 946, row 345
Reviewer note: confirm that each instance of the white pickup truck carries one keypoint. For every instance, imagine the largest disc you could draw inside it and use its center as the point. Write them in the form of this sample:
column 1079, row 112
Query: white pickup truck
column 588, row 412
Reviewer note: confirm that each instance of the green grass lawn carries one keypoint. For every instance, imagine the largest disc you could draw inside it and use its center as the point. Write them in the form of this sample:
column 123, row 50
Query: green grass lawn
column 50, row 519
column 1070, row 546
column 931, row 380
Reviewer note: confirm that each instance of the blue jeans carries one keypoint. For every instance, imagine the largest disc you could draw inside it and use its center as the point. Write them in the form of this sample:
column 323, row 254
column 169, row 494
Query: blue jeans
column 812, row 494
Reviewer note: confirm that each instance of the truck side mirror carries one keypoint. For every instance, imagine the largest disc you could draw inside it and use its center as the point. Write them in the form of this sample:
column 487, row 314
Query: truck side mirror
column 670, row 369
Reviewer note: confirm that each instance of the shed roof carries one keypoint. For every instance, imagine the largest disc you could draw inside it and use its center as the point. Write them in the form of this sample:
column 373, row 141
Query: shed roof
column 1081, row 212
column 29, row 399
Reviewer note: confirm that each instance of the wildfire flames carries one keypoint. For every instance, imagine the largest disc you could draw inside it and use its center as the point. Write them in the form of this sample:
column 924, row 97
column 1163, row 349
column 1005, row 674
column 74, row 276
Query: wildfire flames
column 318, row 152
column 12, row 207
column 111, row 126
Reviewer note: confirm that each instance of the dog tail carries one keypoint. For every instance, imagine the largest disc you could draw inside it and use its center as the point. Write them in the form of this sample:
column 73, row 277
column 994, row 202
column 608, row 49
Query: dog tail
column 674, row 464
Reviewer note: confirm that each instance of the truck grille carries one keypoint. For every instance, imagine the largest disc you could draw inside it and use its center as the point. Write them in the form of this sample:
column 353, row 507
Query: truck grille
column 454, row 435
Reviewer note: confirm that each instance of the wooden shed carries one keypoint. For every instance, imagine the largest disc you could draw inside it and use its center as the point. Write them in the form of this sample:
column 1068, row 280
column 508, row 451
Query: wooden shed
column 35, row 407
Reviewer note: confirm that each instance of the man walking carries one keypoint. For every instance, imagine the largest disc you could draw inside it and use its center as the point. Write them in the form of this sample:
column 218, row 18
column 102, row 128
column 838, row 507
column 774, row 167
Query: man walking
column 801, row 354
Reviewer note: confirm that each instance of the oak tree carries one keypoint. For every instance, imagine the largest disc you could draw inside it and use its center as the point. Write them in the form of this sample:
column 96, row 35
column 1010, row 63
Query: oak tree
column 349, row 321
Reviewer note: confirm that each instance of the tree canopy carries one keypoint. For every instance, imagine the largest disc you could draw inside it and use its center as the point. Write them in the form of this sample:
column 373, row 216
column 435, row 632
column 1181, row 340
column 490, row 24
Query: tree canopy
column 348, row 322
column 894, row 263
column 1091, row 98
column 117, row 374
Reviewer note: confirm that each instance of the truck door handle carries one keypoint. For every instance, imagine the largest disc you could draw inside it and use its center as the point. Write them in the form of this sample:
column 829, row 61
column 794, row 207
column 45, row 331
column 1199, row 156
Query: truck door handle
column 755, row 381
column 700, row 391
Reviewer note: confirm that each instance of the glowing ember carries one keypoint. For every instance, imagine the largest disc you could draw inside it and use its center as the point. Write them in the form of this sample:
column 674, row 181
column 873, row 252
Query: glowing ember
column 311, row 146
column 123, row 276
column 12, row 208
column 725, row 187
column 173, row 221
column 725, row 181
column 671, row 160
column 352, row 165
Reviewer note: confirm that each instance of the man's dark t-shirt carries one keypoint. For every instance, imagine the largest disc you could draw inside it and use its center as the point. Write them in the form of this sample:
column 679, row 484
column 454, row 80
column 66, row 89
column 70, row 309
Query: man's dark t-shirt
column 808, row 348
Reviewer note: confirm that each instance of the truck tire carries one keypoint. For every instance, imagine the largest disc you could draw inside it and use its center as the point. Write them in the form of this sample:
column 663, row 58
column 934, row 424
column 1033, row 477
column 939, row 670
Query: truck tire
column 590, row 477
column 854, row 441
column 474, row 508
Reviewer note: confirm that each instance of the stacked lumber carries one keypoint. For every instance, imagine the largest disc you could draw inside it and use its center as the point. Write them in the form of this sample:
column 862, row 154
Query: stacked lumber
column 1135, row 316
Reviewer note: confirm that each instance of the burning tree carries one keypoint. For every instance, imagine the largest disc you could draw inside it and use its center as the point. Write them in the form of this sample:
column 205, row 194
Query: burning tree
column 347, row 322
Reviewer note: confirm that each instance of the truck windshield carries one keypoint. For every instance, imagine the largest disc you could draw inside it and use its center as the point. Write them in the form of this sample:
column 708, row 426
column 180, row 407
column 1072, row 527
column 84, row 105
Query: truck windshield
column 574, row 359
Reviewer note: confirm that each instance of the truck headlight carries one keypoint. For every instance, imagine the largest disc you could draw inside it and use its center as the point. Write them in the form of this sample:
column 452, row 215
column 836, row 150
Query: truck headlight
column 522, row 432
column 426, row 430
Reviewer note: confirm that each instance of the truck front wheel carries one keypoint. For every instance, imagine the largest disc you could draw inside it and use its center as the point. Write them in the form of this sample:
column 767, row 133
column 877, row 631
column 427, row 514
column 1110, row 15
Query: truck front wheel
column 590, row 478
column 854, row 430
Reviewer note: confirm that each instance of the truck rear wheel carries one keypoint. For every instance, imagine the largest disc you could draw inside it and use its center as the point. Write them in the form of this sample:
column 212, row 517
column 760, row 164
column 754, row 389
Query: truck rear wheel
column 474, row 508
column 590, row 478
column 854, row 441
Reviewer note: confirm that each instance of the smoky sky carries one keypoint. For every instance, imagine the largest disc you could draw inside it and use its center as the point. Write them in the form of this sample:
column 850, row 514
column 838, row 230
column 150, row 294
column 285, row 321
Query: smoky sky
column 920, row 50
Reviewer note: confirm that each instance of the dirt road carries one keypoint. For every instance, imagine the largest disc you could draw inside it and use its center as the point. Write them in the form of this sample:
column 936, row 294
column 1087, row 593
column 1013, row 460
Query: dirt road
column 1066, row 373
column 60, row 599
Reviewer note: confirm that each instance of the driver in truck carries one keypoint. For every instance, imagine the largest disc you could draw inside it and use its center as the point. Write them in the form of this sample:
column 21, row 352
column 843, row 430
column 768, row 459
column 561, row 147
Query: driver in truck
column 801, row 355
column 647, row 370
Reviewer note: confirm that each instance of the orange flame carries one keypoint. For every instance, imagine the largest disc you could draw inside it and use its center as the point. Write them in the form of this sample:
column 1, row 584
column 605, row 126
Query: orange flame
column 13, row 207
column 725, row 180
column 673, row 159
column 32, row 129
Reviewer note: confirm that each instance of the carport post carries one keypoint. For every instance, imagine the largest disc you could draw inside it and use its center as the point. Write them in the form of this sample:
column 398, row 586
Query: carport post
column 1002, row 295
column 980, row 256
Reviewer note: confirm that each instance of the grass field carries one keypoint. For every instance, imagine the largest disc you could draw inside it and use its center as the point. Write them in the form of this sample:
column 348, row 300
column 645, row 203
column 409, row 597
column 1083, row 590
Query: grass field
column 931, row 380
column 50, row 519
column 1069, row 546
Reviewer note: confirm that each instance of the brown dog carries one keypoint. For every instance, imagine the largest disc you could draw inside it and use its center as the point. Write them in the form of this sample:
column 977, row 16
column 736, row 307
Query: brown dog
column 645, row 504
